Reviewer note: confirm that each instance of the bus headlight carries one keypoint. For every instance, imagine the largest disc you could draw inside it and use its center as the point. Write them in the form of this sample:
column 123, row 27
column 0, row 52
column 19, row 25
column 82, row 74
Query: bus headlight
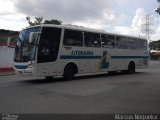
column 31, row 65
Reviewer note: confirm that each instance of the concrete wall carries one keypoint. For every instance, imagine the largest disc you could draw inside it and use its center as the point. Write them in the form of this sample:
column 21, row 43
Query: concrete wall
column 6, row 58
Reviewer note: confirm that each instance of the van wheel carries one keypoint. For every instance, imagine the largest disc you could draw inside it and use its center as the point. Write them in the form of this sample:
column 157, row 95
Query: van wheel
column 131, row 68
column 69, row 72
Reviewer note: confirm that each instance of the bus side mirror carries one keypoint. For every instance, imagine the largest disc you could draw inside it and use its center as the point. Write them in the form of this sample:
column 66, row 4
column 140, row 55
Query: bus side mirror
column 33, row 36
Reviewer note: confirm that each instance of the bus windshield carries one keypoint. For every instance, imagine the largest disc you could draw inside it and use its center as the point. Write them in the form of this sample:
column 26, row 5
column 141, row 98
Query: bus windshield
column 24, row 51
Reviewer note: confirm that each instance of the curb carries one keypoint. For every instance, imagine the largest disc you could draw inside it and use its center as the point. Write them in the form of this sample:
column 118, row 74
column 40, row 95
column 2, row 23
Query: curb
column 6, row 71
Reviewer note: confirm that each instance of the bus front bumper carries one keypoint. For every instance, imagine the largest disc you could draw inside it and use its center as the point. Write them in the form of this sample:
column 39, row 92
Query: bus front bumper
column 25, row 72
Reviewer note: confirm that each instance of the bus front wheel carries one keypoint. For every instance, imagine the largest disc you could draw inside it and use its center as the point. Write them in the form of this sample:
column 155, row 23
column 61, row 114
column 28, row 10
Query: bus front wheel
column 131, row 68
column 69, row 72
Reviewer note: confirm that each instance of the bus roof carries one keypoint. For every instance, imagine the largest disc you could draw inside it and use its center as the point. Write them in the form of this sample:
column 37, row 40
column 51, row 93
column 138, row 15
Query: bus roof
column 85, row 29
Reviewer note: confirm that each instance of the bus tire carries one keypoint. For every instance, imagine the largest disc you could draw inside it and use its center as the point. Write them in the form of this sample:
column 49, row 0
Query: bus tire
column 131, row 68
column 69, row 72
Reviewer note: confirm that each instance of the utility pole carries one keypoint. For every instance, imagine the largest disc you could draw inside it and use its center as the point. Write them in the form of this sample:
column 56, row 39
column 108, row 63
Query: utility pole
column 147, row 26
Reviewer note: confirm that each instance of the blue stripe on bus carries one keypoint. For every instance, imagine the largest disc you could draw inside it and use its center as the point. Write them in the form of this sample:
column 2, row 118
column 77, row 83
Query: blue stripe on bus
column 99, row 57
column 79, row 57
column 129, row 57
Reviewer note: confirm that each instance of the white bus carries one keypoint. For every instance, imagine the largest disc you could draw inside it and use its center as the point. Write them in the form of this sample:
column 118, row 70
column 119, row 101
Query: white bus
column 68, row 51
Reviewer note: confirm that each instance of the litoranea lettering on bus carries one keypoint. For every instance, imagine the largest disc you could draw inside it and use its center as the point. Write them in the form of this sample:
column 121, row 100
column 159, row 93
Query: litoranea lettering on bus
column 82, row 53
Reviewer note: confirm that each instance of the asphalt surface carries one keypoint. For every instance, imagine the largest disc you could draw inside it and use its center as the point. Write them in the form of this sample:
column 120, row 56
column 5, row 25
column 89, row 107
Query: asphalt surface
column 120, row 93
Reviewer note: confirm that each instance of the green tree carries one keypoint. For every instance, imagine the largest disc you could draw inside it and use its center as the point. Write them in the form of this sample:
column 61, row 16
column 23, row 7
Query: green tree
column 158, row 9
column 155, row 45
column 52, row 21
column 39, row 20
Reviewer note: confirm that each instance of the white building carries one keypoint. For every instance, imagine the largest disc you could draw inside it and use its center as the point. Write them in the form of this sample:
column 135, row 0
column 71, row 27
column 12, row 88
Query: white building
column 6, row 58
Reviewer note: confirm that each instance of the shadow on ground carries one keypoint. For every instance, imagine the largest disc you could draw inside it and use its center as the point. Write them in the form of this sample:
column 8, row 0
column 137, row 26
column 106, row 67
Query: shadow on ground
column 55, row 80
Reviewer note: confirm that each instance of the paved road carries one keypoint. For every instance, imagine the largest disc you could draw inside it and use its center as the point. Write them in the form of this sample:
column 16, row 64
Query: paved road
column 120, row 93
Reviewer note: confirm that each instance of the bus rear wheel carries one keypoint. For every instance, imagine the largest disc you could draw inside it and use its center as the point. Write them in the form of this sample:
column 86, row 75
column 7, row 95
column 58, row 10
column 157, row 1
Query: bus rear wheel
column 131, row 68
column 69, row 72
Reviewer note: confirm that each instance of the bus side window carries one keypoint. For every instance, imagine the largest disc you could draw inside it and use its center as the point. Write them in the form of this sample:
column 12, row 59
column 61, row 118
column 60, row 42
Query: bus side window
column 92, row 39
column 108, row 41
column 121, row 42
column 73, row 38
column 132, row 43
column 142, row 44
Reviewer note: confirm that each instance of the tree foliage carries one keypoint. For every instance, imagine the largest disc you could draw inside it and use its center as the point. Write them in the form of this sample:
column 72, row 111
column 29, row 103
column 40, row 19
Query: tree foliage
column 39, row 20
column 155, row 45
column 52, row 21
column 158, row 9
column 4, row 34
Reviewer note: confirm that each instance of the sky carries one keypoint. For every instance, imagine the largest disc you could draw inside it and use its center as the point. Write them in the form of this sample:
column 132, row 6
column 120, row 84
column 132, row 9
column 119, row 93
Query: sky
column 116, row 16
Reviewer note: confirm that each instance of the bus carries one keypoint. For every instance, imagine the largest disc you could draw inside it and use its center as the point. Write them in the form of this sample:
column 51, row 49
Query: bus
column 68, row 51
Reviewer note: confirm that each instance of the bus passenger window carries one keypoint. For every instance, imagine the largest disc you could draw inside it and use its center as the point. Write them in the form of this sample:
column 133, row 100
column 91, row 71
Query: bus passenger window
column 121, row 42
column 108, row 41
column 132, row 43
column 142, row 44
column 73, row 38
column 92, row 40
